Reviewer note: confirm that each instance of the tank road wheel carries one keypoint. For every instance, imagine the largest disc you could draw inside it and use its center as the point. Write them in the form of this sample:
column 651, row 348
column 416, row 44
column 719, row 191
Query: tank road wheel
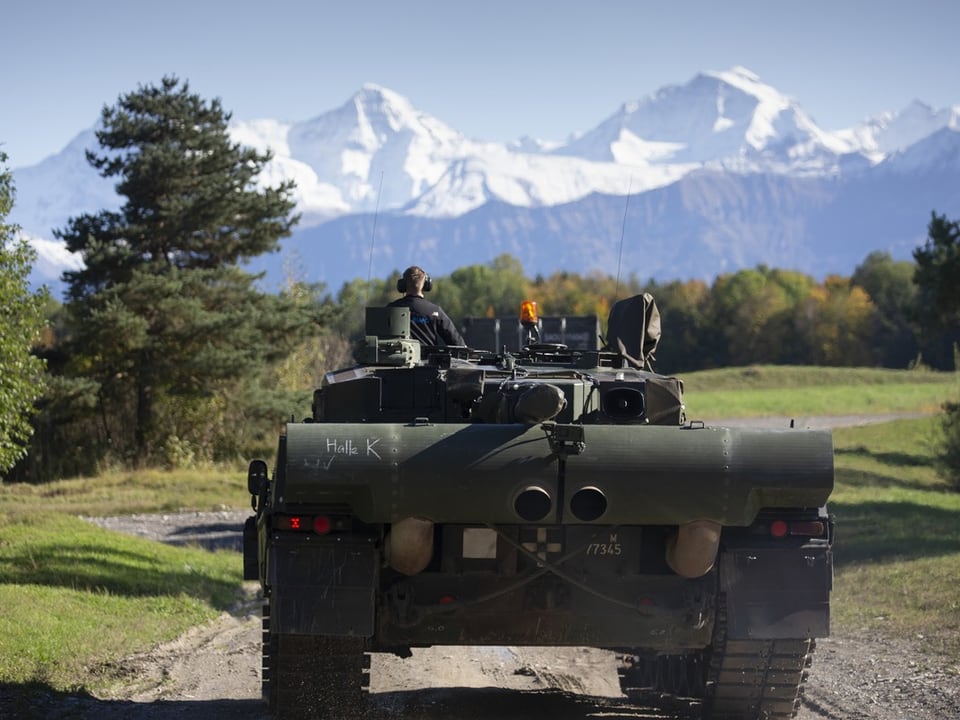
column 308, row 676
column 680, row 675
column 675, row 682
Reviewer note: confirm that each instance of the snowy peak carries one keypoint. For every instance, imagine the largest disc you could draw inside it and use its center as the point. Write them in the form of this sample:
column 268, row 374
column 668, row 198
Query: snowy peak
column 937, row 152
column 383, row 105
column 61, row 186
column 728, row 117
column 767, row 116
column 380, row 111
column 376, row 134
column 371, row 121
column 890, row 132
column 744, row 78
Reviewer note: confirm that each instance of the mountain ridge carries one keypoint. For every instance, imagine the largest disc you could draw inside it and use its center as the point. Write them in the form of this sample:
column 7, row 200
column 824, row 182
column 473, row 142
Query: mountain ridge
column 378, row 155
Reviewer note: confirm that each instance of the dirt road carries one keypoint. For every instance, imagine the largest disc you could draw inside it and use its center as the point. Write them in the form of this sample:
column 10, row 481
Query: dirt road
column 212, row 672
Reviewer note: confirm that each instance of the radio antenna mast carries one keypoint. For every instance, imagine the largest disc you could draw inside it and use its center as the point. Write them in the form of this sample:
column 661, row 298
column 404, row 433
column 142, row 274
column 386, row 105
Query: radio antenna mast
column 373, row 237
column 623, row 228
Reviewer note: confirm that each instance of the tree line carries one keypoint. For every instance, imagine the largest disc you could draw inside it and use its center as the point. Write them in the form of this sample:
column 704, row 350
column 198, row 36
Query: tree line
column 876, row 318
column 166, row 351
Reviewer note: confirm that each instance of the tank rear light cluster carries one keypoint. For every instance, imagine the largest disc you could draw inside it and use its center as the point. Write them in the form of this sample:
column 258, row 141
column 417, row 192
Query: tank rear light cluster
column 319, row 524
column 797, row 528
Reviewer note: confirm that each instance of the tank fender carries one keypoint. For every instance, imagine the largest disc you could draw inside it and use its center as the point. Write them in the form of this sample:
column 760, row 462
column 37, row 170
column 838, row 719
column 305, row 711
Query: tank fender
column 408, row 547
column 692, row 552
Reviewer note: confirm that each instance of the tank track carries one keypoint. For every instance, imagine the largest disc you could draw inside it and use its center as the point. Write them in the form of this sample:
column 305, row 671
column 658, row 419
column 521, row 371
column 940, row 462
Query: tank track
column 306, row 676
column 760, row 679
column 731, row 680
column 673, row 683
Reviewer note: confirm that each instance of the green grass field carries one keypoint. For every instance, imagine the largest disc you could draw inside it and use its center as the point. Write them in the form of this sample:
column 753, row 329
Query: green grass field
column 898, row 536
column 77, row 598
column 806, row 391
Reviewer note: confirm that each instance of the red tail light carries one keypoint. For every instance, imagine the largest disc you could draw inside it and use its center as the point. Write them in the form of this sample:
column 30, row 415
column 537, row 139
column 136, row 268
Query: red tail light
column 322, row 525
column 319, row 524
column 812, row 528
column 800, row 528
column 288, row 522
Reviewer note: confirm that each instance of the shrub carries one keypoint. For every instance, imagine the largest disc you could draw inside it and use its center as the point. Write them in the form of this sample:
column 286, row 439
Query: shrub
column 950, row 449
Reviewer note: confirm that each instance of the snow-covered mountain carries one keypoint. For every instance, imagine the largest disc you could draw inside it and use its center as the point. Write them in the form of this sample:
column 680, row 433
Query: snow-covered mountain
column 727, row 118
column 716, row 174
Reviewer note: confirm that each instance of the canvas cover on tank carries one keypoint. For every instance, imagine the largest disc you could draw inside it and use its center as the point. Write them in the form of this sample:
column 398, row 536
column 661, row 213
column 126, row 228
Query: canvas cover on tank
column 633, row 329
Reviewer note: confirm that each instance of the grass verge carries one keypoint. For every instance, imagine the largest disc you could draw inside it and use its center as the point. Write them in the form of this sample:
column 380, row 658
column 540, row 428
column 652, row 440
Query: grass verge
column 76, row 597
column 898, row 537
column 117, row 492
column 897, row 549
column 805, row 391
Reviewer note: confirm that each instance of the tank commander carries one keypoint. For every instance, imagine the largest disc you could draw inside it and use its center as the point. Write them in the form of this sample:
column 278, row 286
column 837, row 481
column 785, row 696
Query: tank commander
column 428, row 322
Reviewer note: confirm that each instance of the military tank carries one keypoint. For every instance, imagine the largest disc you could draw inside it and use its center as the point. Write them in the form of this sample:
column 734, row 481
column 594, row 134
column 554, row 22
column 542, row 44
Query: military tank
column 543, row 497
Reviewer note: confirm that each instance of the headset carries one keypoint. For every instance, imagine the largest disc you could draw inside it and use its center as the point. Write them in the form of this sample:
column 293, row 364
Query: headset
column 402, row 284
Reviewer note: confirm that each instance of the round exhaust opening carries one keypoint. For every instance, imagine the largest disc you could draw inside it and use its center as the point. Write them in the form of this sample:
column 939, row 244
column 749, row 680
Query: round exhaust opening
column 533, row 504
column 588, row 504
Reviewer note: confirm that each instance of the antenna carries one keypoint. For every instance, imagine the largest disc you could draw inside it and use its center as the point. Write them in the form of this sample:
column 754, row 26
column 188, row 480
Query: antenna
column 623, row 228
column 373, row 237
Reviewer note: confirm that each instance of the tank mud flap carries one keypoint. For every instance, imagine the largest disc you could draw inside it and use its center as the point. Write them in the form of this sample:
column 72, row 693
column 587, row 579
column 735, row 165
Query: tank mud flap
column 773, row 594
column 323, row 588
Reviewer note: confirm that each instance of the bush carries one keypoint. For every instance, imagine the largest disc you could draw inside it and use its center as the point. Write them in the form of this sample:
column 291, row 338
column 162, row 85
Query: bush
column 950, row 450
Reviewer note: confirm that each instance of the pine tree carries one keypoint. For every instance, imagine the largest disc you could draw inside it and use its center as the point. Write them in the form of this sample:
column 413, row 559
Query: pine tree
column 937, row 277
column 937, row 273
column 163, row 313
column 21, row 319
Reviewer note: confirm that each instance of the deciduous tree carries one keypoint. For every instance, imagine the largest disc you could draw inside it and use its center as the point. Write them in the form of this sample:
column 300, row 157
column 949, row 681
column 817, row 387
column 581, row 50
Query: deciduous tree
column 889, row 283
column 21, row 319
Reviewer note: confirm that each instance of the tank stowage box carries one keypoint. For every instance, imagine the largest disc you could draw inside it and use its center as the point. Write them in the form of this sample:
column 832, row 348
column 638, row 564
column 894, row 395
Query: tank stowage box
column 538, row 496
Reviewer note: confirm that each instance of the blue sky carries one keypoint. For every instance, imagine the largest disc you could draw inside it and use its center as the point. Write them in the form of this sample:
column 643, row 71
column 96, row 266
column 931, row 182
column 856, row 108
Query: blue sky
column 494, row 70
